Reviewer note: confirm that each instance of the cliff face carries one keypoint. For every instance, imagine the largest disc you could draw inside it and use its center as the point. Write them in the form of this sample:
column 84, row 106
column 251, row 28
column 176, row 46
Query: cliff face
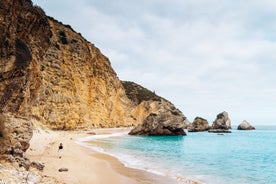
column 51, row 74
column 156, row 115
column 25, row 35
column 16, row 132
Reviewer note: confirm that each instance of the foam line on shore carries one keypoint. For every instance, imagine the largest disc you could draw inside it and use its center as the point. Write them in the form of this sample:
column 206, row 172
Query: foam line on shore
column 101, row 136
column 127, row 162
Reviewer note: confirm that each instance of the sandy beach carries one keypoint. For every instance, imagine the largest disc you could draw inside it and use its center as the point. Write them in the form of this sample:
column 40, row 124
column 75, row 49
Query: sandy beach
column 84, row 165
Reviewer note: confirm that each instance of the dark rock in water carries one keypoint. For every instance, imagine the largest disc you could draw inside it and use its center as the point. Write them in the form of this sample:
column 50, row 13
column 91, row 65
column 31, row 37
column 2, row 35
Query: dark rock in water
column 245, row 126
column 199, row 125
column 222, row 124
column 222, row 121
column 219, row 131
column 63, row 169
column 167, row 120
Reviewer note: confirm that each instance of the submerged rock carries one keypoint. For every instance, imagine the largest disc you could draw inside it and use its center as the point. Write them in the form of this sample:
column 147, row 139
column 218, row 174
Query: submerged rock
column 219, row 131
column 245, row 126
column 222, row 124
column 199, row 125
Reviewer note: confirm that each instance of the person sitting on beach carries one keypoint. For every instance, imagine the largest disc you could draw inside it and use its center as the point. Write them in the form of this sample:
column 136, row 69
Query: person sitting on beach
column 60, row 148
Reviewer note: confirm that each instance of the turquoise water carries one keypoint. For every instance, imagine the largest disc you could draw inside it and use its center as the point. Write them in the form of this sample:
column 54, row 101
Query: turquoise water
column 242, row 157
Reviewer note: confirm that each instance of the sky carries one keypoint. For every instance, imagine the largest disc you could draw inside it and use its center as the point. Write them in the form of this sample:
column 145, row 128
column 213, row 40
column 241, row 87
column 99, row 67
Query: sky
column 205, row 56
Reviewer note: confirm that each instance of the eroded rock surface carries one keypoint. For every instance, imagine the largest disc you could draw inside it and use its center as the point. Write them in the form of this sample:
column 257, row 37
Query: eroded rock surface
column 51, row 73
column 164, row 121
column 199, row 125
column 245, row 126
column 157, row 115
column 222, row 124
column 15, row 134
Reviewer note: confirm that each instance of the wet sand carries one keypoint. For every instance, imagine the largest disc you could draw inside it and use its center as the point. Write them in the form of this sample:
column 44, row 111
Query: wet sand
column 84, row 165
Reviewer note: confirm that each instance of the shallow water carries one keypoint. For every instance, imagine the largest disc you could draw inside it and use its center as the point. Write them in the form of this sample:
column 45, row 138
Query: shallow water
column 240, row 157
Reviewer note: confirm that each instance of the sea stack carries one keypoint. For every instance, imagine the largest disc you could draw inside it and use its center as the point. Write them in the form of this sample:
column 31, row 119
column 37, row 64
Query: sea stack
column 245, row 126
column 222, row 124
column 199, row 125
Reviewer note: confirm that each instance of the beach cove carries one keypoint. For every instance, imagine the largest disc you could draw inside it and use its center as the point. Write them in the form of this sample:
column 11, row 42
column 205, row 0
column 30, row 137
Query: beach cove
column 84, row 165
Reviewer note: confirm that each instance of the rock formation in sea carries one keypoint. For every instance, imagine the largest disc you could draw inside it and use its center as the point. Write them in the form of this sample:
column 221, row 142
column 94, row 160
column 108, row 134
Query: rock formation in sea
column 222, row 124
column 245, row 126
column 199, row 125
column 157, row 115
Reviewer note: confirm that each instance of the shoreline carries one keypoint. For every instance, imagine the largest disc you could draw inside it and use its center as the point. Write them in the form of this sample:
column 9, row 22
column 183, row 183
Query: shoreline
column 84, row 164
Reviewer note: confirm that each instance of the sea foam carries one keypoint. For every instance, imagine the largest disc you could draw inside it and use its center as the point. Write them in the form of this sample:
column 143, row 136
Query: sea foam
column 240, row 157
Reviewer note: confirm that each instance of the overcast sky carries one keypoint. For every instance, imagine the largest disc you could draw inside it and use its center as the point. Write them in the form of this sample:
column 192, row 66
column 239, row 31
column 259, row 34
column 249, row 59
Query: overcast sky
column 205, row 56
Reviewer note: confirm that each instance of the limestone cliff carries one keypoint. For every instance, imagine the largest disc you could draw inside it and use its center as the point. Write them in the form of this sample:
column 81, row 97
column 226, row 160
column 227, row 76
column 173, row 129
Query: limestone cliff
column 50, row 73
column 51, row 76
column 156, row 115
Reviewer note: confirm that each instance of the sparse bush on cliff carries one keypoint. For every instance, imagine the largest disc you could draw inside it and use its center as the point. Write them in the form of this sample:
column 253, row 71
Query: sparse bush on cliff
column 62, row 37
column 137, row 93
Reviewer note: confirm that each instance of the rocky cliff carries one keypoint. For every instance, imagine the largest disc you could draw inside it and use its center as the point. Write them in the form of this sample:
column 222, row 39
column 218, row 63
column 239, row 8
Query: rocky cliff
column 157, row 116
column 50, row 73
column 51, row 76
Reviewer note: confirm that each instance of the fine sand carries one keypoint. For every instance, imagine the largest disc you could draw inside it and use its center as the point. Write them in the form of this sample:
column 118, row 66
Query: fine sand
column 84, row 165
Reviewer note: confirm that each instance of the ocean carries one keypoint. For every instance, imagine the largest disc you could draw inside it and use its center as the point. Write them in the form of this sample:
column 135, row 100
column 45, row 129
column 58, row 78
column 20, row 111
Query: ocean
column 240, row 157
